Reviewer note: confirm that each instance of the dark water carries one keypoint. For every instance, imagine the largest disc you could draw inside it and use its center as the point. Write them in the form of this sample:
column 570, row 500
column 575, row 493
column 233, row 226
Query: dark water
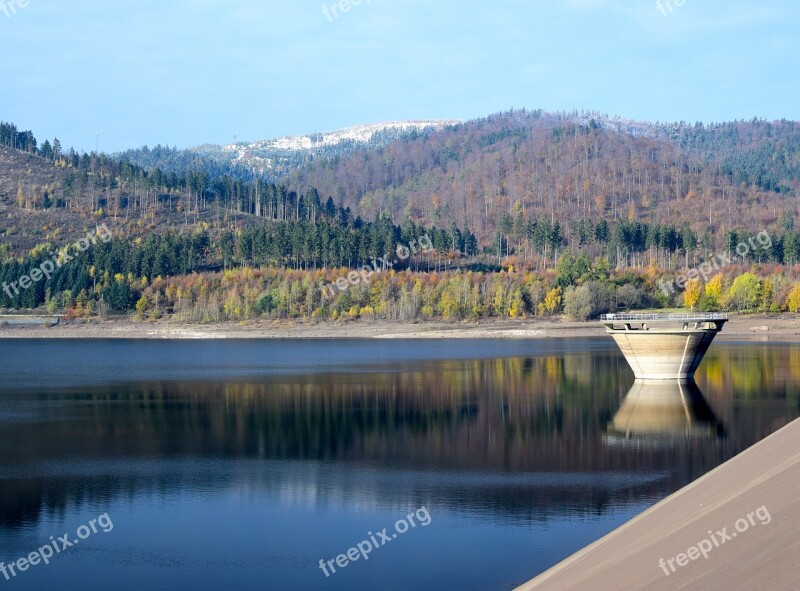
column 241, row 464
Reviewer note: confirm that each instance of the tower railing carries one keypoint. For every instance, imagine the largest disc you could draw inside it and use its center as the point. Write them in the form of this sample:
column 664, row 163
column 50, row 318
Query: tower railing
column 684, row 317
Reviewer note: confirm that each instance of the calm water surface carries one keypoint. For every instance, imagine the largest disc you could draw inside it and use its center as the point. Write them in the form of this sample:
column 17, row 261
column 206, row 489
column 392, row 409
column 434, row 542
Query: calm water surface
column 241, row 464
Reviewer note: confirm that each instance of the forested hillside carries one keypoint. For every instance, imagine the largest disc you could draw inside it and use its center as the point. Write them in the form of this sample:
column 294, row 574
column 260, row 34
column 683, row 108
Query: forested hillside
column 486, row 174
column 757, row 153
column 525, row 214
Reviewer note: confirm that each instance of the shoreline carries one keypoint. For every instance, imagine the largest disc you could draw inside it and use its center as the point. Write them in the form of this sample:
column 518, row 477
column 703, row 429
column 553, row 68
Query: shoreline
column 768, row 328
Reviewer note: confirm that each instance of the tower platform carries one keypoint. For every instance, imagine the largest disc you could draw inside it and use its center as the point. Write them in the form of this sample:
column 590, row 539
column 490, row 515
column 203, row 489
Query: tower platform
column 664, row 346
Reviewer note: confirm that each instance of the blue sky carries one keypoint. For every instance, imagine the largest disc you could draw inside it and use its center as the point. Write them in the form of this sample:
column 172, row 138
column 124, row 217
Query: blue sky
column 185, row 72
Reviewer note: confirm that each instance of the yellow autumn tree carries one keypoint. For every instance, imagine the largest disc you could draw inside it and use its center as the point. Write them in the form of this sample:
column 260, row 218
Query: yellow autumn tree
column 744, row 294
column 793, row 301
column 500, row 300
column 141, row 307
column 552, row 302
column 767, row 296
column 517, row 309
column 449, row 302
column 713, row 292
column 692, row 293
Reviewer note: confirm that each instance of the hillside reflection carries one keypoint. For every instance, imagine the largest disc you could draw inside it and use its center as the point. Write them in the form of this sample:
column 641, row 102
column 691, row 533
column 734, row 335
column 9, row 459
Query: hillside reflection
column 522, row 437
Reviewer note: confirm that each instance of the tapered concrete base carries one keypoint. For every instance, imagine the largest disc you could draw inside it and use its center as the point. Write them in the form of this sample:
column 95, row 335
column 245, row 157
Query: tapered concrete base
column 657, row 351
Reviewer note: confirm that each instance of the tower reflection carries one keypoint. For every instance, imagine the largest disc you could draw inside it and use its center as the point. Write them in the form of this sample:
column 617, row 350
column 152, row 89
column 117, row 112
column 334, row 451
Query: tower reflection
column 663, row 412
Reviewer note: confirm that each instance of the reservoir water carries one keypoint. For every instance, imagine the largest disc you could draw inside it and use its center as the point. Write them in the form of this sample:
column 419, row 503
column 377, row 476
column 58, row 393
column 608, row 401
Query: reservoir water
column 242, row 464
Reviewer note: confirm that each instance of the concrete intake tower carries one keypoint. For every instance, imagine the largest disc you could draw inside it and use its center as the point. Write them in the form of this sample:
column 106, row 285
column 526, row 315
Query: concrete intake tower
column 664, row 346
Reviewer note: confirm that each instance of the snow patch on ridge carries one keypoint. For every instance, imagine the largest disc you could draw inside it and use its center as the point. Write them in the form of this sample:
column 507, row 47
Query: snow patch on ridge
column 359, row 134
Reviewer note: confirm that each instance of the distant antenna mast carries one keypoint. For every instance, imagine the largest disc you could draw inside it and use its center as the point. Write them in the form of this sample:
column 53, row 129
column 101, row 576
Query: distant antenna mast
column 94, row 167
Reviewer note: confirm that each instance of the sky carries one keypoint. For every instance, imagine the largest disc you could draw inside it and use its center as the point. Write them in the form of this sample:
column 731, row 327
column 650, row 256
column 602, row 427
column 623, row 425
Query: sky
column 187, row 72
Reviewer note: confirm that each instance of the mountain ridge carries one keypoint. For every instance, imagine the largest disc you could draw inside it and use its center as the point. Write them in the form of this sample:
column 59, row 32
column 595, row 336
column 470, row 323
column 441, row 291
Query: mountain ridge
column 495, row 176
column 362, row 133
column 274, row 157
column 498, row 171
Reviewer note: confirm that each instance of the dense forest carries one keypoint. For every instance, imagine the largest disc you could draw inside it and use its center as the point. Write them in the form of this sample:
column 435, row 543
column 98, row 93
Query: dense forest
column 571, row 168
column 558, row 207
